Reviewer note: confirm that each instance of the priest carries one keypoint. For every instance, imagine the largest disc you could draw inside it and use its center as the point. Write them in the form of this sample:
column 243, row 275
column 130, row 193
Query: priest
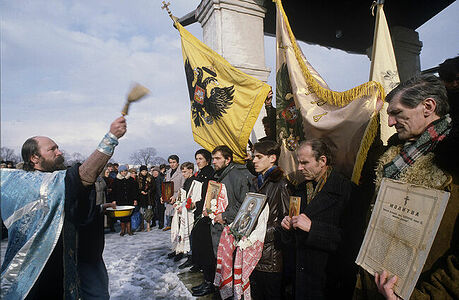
column 43, row 207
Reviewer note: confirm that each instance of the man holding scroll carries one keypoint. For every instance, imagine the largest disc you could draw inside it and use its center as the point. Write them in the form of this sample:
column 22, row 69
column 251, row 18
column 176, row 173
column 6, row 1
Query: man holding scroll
column 423, row 154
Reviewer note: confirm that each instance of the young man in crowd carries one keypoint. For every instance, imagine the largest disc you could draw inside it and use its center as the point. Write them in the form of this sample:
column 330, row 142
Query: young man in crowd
column 185, row 217
column 177, row 178
column 236, row 179
column 266, row 278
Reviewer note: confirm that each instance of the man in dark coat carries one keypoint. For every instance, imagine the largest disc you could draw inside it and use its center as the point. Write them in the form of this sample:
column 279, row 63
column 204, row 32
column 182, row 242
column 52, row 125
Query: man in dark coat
column 201, row 241
column 266, row 279
column 236, row 179
column 317, row 230
column 159, row 206
column 201, row 245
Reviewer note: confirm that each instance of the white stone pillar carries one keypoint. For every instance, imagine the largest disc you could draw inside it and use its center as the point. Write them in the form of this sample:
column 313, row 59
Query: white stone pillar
column 407, row 48
column 234, row 29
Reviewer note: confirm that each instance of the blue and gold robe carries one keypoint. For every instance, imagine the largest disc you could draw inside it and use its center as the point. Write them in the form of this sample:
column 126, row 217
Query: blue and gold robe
column 37, row 208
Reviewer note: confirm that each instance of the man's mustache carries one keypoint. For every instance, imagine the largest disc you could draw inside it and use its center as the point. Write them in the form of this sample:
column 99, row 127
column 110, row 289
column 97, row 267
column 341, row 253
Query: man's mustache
column 60, row 160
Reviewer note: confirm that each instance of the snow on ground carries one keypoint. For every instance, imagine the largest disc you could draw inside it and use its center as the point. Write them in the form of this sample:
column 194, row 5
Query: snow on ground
column 138, row 267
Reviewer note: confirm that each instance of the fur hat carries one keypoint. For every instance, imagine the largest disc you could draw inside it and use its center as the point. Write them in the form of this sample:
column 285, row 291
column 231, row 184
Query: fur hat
column 142, row 168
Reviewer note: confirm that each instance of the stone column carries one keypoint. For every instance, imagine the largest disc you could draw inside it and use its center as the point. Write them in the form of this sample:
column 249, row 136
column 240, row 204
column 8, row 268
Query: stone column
column 234, row 29
column 407, row 48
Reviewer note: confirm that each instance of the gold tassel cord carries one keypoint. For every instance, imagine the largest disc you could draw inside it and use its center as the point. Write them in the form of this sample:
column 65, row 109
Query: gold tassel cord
column 365, row 144
column 339, row 99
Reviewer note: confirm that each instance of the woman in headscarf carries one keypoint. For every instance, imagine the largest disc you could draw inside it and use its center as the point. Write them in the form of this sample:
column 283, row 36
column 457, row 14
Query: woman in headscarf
column 146, row 202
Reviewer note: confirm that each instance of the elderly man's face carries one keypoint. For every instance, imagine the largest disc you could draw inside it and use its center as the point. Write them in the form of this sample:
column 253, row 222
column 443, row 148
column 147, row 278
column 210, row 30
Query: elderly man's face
column 410, row 123
column 308, row 165
column 50, row 158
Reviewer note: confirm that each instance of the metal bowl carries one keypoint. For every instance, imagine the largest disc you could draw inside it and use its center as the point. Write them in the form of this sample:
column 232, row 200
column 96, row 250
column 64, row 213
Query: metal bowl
column 120, row 211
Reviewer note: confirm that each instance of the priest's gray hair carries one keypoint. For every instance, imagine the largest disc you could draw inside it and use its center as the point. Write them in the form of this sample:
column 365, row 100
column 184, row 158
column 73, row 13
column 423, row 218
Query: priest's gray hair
column 29, row 148
column 418, row 88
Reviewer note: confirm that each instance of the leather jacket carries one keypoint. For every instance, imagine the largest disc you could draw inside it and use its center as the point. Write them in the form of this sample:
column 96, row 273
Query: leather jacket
column 275, row 188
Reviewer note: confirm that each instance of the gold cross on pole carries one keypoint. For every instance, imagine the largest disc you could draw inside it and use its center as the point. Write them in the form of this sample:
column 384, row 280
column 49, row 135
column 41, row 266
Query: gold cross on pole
column 166, row 7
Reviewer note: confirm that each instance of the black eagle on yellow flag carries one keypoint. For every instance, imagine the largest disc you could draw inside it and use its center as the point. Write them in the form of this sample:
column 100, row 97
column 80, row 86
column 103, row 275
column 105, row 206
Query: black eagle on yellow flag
column 225, row 102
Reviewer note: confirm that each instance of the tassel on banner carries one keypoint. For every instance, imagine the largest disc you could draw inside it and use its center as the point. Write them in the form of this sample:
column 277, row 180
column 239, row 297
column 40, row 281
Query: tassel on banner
column 339, row 99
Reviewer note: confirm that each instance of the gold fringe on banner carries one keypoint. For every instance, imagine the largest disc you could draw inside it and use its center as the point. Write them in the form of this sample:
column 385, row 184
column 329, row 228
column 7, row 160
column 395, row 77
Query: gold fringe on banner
column 365, row 144
column 340, row 99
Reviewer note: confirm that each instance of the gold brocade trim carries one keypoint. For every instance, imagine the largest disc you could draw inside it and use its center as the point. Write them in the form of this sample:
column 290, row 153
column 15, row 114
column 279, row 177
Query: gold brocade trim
column 339, row 99
column 365, row 144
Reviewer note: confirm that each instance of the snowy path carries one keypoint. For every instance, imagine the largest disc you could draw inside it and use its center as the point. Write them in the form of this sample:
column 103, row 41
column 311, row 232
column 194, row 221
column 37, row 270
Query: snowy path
column 138, row 267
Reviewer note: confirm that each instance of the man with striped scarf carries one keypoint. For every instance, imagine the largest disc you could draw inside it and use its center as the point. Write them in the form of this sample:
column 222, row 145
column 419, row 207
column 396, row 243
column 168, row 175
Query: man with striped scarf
column 424, row 155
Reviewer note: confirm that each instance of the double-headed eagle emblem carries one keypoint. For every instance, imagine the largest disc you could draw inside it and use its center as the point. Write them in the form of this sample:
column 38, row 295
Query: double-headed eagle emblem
column 206, row 108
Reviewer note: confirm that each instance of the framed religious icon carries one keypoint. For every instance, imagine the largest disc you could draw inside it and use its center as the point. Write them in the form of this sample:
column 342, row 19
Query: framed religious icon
column 213, row 190
column 247, row 215
column 294, row 207
column 167, row 190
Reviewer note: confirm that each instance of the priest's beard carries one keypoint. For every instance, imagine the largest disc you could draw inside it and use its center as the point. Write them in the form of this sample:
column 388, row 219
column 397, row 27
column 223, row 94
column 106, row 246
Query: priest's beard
column 53, row 165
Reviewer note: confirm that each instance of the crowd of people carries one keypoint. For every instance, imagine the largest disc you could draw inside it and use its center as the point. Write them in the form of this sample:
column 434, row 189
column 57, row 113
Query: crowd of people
column 306, row 256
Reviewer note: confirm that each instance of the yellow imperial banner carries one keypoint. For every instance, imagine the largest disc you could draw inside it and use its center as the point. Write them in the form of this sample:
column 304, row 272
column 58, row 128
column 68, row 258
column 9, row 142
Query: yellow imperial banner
column 225, row 102
column 306, row 108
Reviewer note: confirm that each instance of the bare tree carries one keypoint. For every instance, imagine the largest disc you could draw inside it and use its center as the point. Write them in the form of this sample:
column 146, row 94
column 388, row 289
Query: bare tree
column 7, row 154
column 146, row 156
column 71, row 159
column 158, row 161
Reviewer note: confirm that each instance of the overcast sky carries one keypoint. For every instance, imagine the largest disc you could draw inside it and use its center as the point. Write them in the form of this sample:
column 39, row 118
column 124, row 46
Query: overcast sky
column 66, row 67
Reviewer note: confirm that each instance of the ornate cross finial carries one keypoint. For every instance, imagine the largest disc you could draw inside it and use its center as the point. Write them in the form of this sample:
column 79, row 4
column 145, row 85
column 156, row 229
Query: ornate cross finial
column 406, row 200
column 166, row 7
